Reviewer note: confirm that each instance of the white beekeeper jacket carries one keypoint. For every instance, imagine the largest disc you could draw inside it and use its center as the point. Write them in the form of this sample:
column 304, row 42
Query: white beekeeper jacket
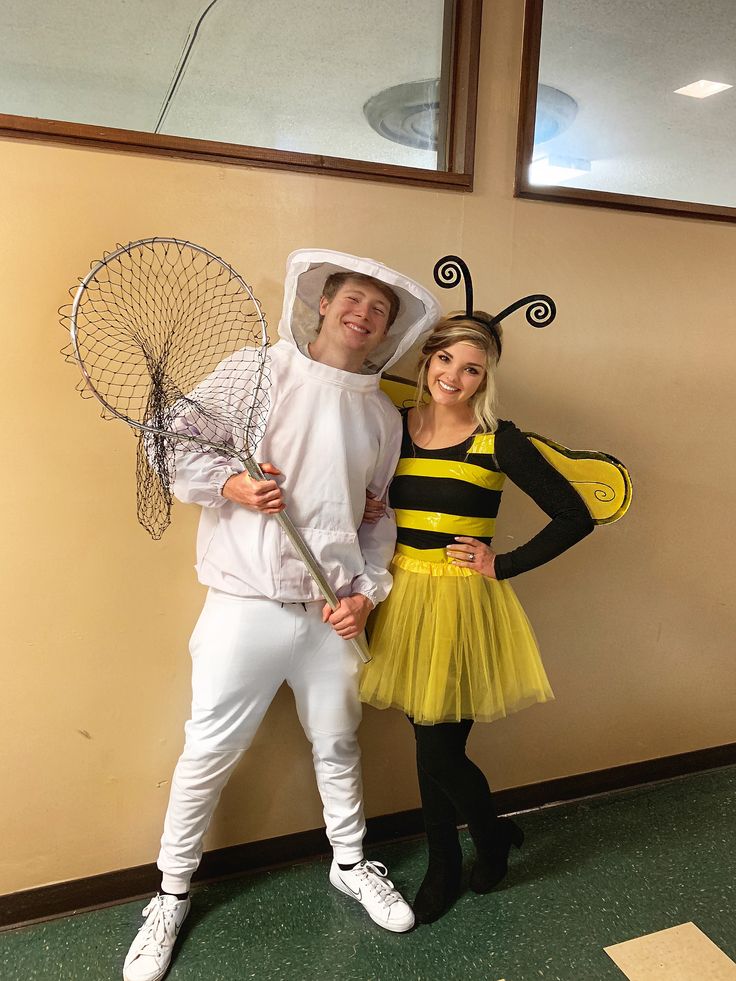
column 332, row 433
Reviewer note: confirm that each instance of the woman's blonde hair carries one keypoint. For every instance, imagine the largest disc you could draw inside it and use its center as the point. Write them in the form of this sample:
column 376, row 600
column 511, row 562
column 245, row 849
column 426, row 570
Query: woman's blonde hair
column 478, row 332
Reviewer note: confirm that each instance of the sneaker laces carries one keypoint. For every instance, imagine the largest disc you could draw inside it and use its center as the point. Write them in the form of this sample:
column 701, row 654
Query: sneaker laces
column 374, row 875
column 159, row 927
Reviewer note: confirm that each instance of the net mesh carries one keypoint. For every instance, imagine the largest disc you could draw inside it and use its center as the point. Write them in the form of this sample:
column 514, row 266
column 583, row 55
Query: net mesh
column 170, row 339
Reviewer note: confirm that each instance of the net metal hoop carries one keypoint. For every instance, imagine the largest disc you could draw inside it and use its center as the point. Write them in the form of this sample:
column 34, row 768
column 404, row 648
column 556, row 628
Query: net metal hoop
column 129, row 248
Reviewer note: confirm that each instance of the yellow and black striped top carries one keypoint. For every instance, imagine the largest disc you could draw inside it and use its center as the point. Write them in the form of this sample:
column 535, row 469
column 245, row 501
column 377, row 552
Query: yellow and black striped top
column 440, row 493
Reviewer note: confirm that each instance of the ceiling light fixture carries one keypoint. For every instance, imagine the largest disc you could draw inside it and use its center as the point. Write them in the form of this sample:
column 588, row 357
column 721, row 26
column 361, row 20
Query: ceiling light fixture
column 702, row 89
column 407, row 114
column 556, row 111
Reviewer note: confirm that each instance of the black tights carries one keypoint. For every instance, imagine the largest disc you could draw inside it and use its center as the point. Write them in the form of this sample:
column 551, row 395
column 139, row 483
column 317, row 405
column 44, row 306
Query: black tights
column 450, row 784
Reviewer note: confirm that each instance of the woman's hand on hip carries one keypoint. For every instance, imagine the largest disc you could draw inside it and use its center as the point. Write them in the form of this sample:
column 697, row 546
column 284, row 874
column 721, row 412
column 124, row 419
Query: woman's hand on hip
column 469, row 553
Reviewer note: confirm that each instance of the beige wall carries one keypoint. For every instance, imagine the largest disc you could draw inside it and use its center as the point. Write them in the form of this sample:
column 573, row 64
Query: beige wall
column 636, row 624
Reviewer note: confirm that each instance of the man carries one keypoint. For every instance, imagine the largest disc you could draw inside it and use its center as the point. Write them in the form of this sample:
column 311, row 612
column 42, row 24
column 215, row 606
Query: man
column 330, row 435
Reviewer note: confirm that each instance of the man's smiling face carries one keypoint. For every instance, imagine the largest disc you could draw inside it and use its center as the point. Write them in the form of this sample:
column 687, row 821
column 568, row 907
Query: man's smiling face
column 356, row 318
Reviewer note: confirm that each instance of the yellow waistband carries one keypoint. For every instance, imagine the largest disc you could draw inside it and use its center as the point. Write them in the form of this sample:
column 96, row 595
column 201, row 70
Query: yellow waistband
column 428, row 561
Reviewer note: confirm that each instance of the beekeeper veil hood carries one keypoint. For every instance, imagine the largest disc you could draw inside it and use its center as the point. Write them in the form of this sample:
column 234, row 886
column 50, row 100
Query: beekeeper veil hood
column 306, row 273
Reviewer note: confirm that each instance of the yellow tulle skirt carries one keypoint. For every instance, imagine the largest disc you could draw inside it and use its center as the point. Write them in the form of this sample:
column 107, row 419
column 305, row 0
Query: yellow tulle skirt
column 450, row 644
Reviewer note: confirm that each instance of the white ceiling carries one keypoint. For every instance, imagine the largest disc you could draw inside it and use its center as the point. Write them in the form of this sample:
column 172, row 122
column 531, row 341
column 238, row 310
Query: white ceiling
column 291, row 75
column 621, row 60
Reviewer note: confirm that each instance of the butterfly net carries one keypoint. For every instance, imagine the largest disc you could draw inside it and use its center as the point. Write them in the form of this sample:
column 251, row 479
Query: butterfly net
column 170, row 339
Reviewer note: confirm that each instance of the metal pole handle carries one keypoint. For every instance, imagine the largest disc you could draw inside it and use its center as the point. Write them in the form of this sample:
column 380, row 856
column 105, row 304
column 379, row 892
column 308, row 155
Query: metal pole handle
column 305, row 553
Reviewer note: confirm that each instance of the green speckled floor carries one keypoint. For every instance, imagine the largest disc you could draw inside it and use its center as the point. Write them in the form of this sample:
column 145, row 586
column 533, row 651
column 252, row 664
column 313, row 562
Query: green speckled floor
column 591, row 873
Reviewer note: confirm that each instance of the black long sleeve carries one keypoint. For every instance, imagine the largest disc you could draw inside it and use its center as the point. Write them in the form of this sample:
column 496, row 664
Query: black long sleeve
column 570, row 521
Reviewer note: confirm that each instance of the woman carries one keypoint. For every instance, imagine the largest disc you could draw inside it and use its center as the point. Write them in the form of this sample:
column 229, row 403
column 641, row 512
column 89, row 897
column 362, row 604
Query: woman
column 452, row 645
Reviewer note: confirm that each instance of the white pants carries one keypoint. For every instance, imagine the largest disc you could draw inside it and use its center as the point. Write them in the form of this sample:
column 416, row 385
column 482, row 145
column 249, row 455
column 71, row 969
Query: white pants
column 242, row 651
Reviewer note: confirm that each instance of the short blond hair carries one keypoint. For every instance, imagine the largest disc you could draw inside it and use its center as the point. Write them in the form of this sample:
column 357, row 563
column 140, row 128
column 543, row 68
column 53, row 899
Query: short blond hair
column 478, row 332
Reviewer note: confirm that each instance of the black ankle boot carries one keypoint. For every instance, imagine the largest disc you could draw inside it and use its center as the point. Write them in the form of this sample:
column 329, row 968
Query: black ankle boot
column 441, row 884
column 492, row 861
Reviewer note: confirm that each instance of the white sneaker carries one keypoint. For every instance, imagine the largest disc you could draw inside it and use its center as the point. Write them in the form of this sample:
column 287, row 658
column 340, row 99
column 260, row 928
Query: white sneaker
column 368, row 882
column 150, row 953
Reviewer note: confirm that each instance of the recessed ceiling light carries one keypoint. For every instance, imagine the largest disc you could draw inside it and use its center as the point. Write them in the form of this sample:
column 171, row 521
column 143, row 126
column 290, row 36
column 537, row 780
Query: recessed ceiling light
column 702, row 89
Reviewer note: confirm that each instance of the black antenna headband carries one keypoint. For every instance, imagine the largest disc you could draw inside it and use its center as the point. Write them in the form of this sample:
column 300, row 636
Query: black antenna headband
column 541, row 309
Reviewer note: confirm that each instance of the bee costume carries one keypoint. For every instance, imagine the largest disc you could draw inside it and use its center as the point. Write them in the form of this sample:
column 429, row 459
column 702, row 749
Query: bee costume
column 450, row 643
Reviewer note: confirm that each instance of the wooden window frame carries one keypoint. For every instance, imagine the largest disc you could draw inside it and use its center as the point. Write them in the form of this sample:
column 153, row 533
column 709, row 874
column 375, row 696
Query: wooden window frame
column 461, row 53
column 578, row 195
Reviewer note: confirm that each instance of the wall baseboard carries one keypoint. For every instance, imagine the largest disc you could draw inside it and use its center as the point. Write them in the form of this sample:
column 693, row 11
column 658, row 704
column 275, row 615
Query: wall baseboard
column 123, row 885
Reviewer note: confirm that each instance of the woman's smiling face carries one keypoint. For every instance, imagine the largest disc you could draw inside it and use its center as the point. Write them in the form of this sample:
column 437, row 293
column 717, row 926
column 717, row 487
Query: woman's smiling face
column 455, row 373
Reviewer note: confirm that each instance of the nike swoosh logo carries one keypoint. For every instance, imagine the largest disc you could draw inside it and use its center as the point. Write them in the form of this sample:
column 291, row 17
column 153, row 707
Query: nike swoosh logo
column 358, row 895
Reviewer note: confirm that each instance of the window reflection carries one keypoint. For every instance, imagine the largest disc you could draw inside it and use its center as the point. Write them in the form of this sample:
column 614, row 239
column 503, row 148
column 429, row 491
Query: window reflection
column 293, row 76
column 615, row 112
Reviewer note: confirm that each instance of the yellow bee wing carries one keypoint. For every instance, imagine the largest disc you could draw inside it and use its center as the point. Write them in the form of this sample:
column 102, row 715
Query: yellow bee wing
column 602, row 481
column 401, row 391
